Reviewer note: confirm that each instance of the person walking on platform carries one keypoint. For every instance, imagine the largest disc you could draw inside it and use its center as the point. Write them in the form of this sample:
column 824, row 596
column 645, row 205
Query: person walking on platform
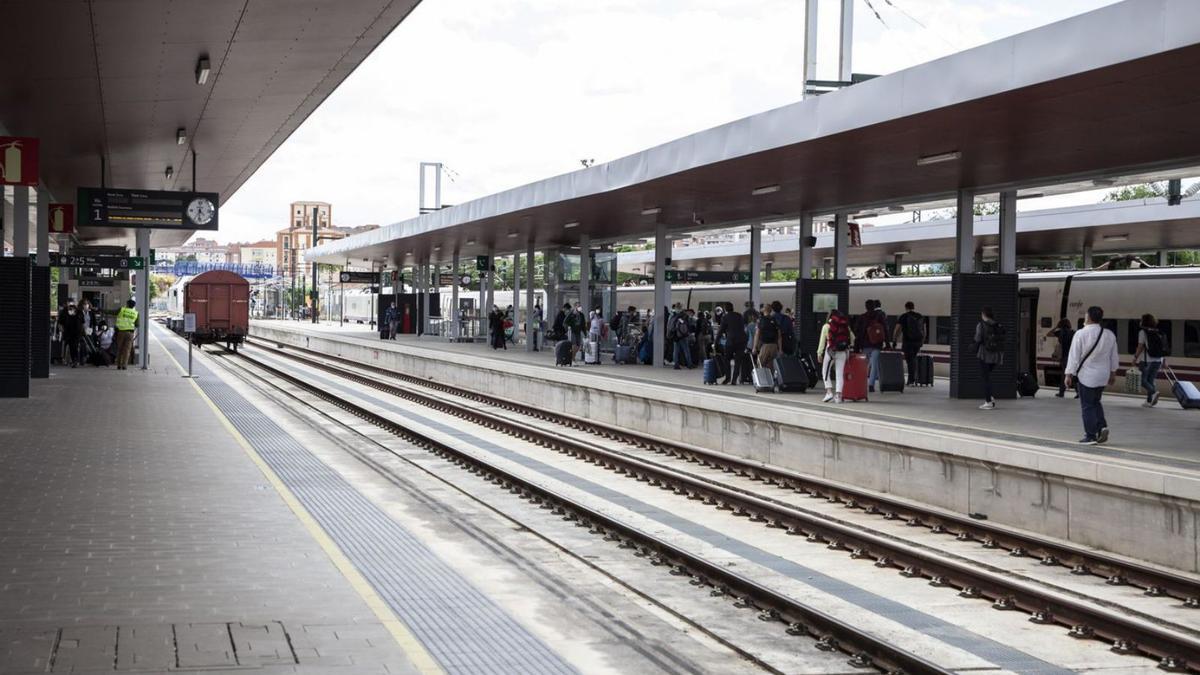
column 496, row 328
column 731, row 340
column 70, row 323
column 575, row 324
column 910, row 332
column 558, row 329
column 871, row 330
column 680, row 333
column 539, row 319
column 787, row 328
column 126, row 322
column 1093, row 363
column 833, row 350
column 989, row 349
column 1064, row 334
column 390, row 320
column 1151, row 350
column 768, row 339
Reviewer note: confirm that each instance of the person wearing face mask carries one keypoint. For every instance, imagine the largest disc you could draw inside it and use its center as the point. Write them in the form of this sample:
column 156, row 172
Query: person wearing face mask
column 71, row 325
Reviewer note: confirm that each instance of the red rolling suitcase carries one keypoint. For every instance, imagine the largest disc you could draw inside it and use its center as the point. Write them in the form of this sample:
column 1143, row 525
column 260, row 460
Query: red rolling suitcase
column 855, row 386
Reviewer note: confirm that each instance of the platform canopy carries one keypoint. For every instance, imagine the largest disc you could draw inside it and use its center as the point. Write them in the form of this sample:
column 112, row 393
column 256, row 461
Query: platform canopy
column 1108, row 228
column 1106, row 93
column 118, row 78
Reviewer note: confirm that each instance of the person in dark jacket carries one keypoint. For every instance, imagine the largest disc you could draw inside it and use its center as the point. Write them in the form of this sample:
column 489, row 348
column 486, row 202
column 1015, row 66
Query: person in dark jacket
column 559, row 328
column 989, row 349
column 496, row 323
column 731, row 336
column 71, row 325
column 1064, row 334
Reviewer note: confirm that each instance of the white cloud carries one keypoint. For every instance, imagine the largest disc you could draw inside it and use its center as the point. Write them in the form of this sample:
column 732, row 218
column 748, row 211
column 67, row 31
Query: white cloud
column 510, row 92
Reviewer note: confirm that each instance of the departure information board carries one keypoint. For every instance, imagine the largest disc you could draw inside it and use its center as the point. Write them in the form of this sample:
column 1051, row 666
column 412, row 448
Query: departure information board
column 697, row 276
column 108, row 262
column 154, row 209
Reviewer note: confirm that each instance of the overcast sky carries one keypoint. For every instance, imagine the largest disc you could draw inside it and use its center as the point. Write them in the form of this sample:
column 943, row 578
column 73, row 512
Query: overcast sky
column 505, row 93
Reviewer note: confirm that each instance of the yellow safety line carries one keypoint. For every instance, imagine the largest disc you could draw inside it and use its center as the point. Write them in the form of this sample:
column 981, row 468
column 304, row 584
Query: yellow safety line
column 408, row 642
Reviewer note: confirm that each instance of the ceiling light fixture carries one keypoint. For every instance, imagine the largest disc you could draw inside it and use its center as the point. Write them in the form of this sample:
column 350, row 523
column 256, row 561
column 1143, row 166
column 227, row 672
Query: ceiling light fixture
column 764, row 190
column 864, row 216
column 180, row 136
column 718, row 264
column 939, row 158
column 902, row 253
column 437, row 248
column 573, row 223
column 651, row 211
column 1116, row 237
column 202, row 70
column 990, row 247
column 470, row 242
column 512, row 235
column 895, row 208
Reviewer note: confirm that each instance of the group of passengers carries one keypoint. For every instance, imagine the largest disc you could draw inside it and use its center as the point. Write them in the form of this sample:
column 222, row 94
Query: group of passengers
column 83, row 335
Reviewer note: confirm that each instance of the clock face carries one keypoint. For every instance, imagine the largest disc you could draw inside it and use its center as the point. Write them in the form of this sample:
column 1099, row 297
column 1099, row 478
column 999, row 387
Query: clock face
column 201, row 211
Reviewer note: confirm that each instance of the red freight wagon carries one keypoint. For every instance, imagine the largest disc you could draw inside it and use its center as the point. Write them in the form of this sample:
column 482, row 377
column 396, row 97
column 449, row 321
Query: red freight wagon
column 221, row 302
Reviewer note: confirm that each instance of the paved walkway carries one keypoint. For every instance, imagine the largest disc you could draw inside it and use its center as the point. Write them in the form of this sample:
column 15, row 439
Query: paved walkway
column 1165, row 434
column 139, row 535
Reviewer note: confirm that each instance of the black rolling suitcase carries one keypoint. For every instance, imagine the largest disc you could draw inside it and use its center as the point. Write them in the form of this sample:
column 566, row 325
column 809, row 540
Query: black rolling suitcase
column 924, row 370
column 562, row 353
column 809, row 363
column 790, row 374
column 1027, row 384
column 745, row 364
column 891, row 371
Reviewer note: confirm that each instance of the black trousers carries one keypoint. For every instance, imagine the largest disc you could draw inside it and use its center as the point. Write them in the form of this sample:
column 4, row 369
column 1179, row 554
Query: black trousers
column 985, row 369
column 911, row 349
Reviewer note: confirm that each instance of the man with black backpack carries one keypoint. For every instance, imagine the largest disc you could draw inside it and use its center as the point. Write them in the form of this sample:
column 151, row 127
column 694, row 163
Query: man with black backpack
column 1152, row 348
column 787, row 328
column 678, row 332
column 989, row 349
column 871, row 334
column 910, row 333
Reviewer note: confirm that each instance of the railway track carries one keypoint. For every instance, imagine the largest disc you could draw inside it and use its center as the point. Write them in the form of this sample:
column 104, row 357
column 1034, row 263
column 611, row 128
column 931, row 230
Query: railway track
column 1173, row 651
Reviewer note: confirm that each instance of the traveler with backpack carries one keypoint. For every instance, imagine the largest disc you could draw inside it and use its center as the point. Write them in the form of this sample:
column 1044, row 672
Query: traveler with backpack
column 911, row 333
column 575, row 324
column 872, row 335
column 787, row 328
column 1093, row 362
column 558, row 329
column 768, row 339
column 679, row 333
column 1064, row 334
column 1152, row 348
column 833, row 349
column 731, row 340
column 989, row 349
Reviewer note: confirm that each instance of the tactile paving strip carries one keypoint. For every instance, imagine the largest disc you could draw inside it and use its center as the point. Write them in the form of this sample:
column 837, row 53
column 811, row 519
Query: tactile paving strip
column 985, row 648
column 460, row 626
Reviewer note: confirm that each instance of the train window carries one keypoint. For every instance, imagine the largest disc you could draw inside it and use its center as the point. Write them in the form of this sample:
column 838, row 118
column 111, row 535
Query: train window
column 1135, row 325
column 1111, row 324
column 942, row 331
column 1047, row 322
column 1191, row 339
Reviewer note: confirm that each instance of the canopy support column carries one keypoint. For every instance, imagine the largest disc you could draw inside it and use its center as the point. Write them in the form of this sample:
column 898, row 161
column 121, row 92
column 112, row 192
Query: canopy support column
column 964, row 243
column 531, row 325
column 1008, row 232
column 662, row 293
column 756, row 264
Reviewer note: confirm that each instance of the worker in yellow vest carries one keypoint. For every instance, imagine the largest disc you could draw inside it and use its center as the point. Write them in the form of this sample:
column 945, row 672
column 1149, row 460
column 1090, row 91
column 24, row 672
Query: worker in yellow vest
column 126, row 322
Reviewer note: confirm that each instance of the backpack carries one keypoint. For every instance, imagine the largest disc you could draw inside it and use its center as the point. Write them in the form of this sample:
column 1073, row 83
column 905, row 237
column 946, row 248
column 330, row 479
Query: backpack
column 876, row 332
column 615, row 322
column 839, row 334
column 787, row 327
column 679, row 329
column 993, row 337
column 769, row 329
column 1156, row 343
column 911, row 327
column 573, row 321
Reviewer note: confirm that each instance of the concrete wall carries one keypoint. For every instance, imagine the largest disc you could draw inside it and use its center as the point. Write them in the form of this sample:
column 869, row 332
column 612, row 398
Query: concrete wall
column 1126, row 507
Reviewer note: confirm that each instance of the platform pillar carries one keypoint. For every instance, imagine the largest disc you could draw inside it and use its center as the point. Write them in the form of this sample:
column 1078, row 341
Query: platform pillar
column 662, row 293
column 39, row 315
column 1164, row 258
column 14, row 339
column 969, row 294
column 1008, row 232
column 143, row 299
column 43, row 227
column 585, row 275
column 841, row 242
column 964, row 242
column 20, row 221
column 756, row 264
column 455, row 314
column 531, row 324
column 806, row 247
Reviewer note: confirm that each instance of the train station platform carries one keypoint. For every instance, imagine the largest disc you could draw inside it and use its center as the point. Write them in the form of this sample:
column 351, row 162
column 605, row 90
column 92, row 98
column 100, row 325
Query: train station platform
column 1019, row 464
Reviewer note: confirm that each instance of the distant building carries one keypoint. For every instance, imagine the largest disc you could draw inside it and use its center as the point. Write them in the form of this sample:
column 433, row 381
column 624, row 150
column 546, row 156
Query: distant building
column 292, row 241
column 259, row 253
column 199, row 249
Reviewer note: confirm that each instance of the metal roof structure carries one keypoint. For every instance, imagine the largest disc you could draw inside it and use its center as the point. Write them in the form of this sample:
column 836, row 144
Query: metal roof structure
column 1111, row 92
column 117, row 79
column 1111, row 227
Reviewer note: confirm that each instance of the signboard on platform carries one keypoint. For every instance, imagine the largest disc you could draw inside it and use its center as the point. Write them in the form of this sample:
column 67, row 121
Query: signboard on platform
column 697, row 276
column 18, row 161
column 359, row 277
column 157, row 209
column 96, row 282
column 481, row 263
column 189, row 322
column 62, row 218
column 447, row 279
column 108, row 262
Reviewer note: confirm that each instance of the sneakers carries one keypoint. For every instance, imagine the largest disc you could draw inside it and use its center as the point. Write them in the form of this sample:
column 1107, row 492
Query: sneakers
column 1153, row 399
column 837, row 398
column 1147, row 404
column 1102, row 437
column 1087, row 440
column 1058, row 395
column 989, row 405
column 828, row 397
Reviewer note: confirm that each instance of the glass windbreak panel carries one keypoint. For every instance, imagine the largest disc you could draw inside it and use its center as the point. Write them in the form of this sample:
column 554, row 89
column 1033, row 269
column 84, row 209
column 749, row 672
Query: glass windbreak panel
column 568, row 267
column 603, row 267
column 1191, row 339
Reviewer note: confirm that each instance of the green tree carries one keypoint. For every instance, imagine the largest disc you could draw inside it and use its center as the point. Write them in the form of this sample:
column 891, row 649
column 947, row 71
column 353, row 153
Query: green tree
column 988, row 209
column 1131, row 192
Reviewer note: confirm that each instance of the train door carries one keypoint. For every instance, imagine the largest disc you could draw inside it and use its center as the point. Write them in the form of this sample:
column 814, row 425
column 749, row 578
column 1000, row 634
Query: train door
column 218, row 307
column 1027, row 330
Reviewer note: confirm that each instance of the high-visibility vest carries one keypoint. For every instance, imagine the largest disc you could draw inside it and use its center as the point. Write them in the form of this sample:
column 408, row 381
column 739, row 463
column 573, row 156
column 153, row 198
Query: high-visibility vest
column 127, row 318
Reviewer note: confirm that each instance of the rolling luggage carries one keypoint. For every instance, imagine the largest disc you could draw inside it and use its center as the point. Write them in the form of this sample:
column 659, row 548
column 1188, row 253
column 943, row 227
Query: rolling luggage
column 1027, row 385
column 809, row 362
column 855, row 386
column 924, row 370
column 1185, row 392
column 646, row 351
column 562, row 353
column 790, row 374
column 591, row 352
column 891, row 371
column 763, row 378
column 710, row 371
column 624, row 354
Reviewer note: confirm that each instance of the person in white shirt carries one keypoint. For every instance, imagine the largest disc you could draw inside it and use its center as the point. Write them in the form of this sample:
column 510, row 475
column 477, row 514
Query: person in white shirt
column 1093, row 362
